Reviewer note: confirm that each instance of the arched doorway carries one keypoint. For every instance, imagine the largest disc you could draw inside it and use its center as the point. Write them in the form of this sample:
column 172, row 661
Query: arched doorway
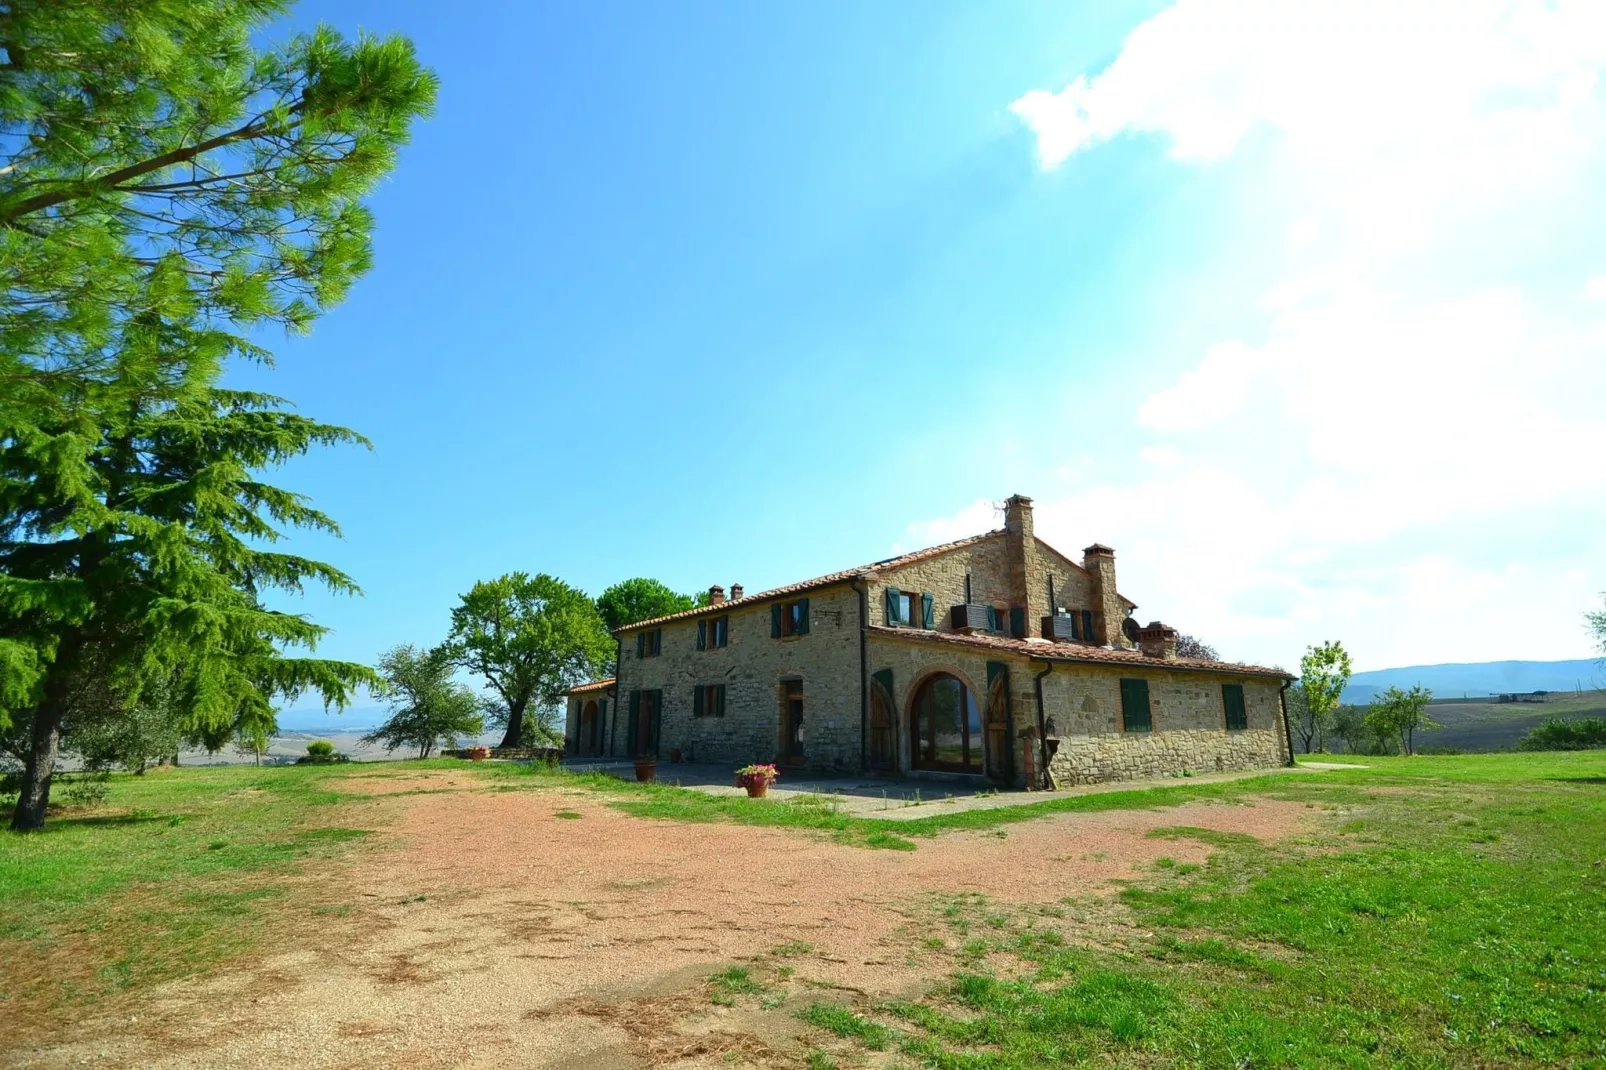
column 883, row 731
column 945, row 731
column 588, row 729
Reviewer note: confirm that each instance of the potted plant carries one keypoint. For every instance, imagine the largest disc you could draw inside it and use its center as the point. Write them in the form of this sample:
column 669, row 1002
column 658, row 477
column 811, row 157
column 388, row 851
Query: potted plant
column 646, row 767
column 477, row 753
column 674, row 754
column 756, row 779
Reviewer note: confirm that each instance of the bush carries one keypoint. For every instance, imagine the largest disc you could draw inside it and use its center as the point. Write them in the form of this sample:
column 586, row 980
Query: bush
column 321, row 752
column 87, row 789
column 1580, row 733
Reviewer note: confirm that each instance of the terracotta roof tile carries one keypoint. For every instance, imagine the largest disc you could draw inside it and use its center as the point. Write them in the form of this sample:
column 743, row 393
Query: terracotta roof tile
column 1077, row 652
column 594, row 685
column 828, row 580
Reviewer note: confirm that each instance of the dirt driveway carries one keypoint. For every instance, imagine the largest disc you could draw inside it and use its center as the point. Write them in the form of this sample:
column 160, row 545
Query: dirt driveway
column 546, row 929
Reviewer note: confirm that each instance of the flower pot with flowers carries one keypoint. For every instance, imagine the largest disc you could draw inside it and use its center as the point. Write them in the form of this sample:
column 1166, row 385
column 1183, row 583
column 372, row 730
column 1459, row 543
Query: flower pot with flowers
column 477, row 753
column 756, row 779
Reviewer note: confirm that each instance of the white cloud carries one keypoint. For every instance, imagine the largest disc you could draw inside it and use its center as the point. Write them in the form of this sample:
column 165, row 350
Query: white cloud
column 1403, row 446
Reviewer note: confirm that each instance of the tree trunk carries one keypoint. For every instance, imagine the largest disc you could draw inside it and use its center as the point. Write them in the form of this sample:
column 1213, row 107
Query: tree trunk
column 515, row 725
column 37, row 770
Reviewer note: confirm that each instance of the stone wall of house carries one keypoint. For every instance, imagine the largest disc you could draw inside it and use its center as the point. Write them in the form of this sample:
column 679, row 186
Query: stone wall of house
column 1082, row 714
column 911, row 662
column 752, row 667
column 988, row 566
column 572, row 720
column 1189, row 734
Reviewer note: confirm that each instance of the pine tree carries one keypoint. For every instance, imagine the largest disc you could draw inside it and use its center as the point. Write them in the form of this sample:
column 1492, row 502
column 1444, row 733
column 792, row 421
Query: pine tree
column 166, row 189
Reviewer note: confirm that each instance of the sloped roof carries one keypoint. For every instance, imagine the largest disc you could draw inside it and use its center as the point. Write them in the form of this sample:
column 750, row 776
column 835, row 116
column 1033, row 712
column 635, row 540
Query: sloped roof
column 1077, row 652
column 594, row 685
column 828, row 580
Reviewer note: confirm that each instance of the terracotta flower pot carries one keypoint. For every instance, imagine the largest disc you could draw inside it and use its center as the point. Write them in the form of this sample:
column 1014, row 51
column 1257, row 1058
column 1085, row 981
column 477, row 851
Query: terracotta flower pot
column 674, row 754
column 757, row 790
column 646, row 769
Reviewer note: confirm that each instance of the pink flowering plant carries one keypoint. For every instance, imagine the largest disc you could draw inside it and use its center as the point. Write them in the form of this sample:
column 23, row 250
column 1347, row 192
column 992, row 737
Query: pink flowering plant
column 477, row 753
column 752, row 775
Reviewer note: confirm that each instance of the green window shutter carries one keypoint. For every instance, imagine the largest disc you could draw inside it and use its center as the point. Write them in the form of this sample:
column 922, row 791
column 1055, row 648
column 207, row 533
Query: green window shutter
column 995, row 669
column 928, row 611
column 1135, row 706
column 1017, row 622
column 657, row 720
column 884, row 678
column 641, row 645
column 719, row 700
column 894, row 606
column 1087, row 625
column 775, row 621
column 802, row 616
column 697, row 701
column 702, row 635
column 992, row 619
column 1232, row 697
column 657, row 641
column 635, row 722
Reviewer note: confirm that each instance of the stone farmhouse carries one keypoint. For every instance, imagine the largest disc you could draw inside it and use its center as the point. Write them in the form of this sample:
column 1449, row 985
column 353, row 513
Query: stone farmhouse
column 993, row 657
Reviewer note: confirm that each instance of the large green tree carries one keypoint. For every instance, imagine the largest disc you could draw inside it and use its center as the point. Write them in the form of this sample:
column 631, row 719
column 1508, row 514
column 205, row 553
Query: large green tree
column 1323, row 672
column 631, row 601
column 427, row 707
column 531, row 638
column 166, row 189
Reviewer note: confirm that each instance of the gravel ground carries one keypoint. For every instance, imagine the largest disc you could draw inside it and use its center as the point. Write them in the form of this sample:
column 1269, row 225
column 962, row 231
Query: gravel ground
column 498, row 934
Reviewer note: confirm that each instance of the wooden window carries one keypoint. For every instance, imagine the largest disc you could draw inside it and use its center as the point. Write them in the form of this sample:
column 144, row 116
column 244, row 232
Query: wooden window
column 719, row 632
column 1232, row 700
column 650, row 644
column 1087, row 626
column 709, row 700
column 945, row 729
column 901, row 608
column 1135, row 706
column 789, row 618
column 792, row 750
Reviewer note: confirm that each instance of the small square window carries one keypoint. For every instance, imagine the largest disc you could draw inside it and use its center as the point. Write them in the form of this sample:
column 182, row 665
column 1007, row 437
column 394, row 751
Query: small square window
column 719, row 631
column 794, row 618
column 709, row 700
column 650, row 644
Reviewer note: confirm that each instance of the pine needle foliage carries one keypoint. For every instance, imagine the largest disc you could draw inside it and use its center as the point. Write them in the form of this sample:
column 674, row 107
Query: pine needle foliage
column 167, row 190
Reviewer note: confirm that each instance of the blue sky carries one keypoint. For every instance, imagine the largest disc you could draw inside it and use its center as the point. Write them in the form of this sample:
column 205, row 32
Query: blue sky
column 746, row 293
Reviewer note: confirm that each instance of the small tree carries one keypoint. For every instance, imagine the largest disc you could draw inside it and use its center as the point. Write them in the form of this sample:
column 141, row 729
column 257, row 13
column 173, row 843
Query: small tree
column 251, row 741
column 631, row 601
column 427, row 707
column 1299, row 714
column 1191, row 646
column 531, row 638
column 1399, row 714
column 1323, row 671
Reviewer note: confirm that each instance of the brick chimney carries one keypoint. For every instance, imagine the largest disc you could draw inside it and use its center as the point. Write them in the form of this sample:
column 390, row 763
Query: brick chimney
column 736, row 591
column 716, row 595
column 1021, row 553
column 1158, row 641
column 1099, row 560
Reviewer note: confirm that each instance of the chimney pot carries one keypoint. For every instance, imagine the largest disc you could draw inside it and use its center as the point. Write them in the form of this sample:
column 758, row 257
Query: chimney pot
column 1158, row 640
column 716, row 595
column 736, row 591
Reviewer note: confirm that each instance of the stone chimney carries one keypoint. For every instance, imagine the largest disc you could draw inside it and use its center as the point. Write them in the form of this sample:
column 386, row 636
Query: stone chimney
column 1158, row 641
column 1025, row 590
column 716, row 595
column 1099, row 560
column 736, row 591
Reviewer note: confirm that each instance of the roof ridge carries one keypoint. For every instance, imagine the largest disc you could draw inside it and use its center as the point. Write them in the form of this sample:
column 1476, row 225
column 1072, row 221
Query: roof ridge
column 1093, row 655
column 827, row 580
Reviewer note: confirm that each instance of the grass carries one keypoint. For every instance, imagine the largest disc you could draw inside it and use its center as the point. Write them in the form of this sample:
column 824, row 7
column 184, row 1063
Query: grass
column 1450, row 912
column 179, row 869
column 1459, row 919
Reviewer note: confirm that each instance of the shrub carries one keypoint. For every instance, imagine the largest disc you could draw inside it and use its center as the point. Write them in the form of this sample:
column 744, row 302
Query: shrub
column 1580, row 733
column 321, row 752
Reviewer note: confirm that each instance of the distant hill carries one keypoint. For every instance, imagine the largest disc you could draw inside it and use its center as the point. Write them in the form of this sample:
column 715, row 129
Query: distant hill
column 1477, row 679
column 355, row 719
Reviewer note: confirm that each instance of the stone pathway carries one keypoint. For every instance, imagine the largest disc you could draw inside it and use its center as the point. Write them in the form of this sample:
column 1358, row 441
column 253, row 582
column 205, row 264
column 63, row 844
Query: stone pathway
column 909, row 798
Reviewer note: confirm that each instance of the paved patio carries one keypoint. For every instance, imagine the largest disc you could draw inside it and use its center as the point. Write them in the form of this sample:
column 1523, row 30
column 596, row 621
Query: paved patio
column 894, row 799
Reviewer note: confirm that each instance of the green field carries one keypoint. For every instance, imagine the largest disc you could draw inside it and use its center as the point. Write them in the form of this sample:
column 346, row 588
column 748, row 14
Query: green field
column 1450, row 911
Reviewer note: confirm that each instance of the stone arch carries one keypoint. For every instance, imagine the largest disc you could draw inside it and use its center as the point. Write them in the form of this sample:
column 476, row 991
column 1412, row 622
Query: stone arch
column 945, row 729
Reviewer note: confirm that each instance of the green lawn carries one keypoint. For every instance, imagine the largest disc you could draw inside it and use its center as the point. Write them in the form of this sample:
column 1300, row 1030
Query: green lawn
column 1455, row 918
column 1460, row 921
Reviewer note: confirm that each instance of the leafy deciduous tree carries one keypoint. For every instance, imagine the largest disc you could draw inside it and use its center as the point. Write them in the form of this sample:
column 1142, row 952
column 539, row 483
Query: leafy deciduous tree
column 631, row 601
column 1400, row 714
column 427, row 707
column 531, row 638
column 1190, row 646
column 1299, row 713
column 1323, row 672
